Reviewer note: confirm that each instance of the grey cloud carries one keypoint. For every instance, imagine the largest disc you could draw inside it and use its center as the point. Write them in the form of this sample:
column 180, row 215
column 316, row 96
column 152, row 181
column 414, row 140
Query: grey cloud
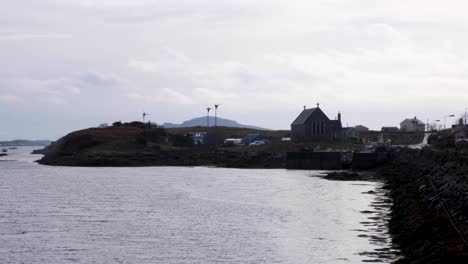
column 31, row 36
column 262, row 60
column 98, row 79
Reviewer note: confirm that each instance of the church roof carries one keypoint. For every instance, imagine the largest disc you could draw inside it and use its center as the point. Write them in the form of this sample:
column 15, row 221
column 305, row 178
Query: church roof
column 302, row 118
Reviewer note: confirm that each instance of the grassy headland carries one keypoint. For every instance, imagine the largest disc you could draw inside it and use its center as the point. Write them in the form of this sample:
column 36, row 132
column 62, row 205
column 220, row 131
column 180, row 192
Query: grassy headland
column 136, row 144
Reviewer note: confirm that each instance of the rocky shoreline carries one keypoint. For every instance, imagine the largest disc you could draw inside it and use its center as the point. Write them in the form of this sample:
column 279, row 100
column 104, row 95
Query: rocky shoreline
column 213, row 157
column 352, row 176
column 429, row 212
column 429, row 215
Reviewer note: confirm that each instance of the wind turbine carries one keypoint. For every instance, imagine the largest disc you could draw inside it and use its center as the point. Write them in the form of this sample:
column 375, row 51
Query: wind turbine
column 216, row 114
column 144, row 116
column 208, row 116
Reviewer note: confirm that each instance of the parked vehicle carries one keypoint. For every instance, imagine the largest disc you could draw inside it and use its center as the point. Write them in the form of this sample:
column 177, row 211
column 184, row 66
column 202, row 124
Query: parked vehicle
column 251, row 138
column 257, row 143
column 233, row 141
column 462, row 141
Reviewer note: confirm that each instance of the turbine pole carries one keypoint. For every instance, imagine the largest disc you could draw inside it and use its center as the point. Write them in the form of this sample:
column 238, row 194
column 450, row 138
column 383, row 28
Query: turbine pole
column 216, row 114
column 208, row 117
column 144, row 116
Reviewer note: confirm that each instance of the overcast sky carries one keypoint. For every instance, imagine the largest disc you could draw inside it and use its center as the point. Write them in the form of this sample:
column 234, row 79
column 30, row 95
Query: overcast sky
column 72, row 64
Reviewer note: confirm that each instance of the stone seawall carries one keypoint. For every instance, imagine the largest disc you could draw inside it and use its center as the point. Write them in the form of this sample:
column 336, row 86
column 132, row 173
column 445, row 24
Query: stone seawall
column 430, row 212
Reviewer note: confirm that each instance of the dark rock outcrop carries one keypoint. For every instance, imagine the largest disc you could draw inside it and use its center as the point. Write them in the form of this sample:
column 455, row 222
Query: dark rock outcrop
column 158, row 157
column 430, row 205
column 42, row 151
column 344, row 176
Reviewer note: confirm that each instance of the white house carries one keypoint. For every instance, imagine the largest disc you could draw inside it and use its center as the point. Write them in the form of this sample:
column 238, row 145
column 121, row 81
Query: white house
column 412, row 125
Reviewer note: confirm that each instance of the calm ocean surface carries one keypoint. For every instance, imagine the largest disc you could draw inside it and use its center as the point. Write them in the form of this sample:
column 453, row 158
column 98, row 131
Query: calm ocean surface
column 183, row 215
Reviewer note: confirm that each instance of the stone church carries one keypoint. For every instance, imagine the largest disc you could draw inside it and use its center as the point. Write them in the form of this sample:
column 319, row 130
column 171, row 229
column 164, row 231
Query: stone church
column 313, row 125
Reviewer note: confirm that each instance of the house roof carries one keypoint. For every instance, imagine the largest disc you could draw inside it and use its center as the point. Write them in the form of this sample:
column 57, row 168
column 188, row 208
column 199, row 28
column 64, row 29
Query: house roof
column 302, row 118
column 419, row 122
column 347, row 130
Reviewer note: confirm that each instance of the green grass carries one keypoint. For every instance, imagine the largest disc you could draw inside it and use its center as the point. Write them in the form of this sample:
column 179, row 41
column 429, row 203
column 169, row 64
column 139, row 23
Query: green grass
column 397, row 138
column 290, row 146
column 230, row 132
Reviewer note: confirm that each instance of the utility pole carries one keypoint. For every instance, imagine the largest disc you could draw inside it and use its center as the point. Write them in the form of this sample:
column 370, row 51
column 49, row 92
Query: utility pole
column 465, row 114
column 216, row 114
column 445, row 117
column 144, row 125
column 208, row 117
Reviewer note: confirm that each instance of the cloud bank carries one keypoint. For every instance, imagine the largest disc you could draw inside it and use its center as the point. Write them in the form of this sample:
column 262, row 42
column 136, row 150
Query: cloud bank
column 73, row 64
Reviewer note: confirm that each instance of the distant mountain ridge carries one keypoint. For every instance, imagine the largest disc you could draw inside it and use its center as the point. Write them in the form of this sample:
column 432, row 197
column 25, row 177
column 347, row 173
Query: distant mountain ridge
column 21, row 142
column 201, row 121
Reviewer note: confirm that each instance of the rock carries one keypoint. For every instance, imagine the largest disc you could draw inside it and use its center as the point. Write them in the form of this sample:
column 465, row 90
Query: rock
column 42, row 151
column 344, row 176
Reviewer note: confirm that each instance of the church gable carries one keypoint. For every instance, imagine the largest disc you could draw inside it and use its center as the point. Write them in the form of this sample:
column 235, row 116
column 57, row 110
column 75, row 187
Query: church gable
column 318, row 114
column 314, row 125
column 308, row 114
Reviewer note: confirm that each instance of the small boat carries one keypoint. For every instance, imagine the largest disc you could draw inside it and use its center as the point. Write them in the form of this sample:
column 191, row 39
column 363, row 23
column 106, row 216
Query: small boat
column 4, row 150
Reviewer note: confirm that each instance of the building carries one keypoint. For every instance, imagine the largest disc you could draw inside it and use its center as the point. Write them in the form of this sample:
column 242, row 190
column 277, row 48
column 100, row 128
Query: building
column 390, row 129
column 361, row 128
column 205, row 138
column 459, row 126
column 460, row 133
column 198, row 137
column 349, row 132
column 412, row 125
column 247, row 140
column 313, row 125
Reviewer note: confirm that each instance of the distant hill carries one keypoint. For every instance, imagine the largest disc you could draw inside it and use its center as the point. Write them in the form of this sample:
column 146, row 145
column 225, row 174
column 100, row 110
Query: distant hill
column 20, row 143
column 201, row 121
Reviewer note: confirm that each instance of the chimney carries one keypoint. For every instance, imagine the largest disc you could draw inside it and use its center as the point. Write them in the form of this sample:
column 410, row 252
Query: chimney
column 339, row 116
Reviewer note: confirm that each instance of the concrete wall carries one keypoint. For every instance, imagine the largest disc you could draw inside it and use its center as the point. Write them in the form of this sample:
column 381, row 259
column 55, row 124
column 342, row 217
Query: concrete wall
column 333, row 160
column 366, row 161
column 314, row 160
